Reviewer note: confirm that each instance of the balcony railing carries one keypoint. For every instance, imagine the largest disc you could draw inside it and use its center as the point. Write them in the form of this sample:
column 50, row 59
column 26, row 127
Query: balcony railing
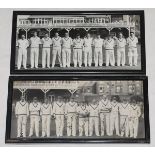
column 50, row 23
column 46, row 85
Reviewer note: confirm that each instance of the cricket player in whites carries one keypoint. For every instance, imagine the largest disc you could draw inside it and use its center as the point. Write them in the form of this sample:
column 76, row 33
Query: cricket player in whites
column 34, row 110
column 21, row 112
column 77, row 50
column 66, row 50
column 124, row 111
column 56, row 42
column 98, row 55
column 58, row 113
column 135, row 113
column 114, row 117
column 132, row 42
column 71, row 114
column 94, row 118
column 22, row 51
column 88, row 50
column 34, row 44
column 109, row 44
column 46, row 112
column 46, row 41
column 83, row 113
column 105, row 109
column 121, row 43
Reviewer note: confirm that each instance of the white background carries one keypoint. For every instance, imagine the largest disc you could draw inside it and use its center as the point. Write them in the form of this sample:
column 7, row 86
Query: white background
column 5, row 52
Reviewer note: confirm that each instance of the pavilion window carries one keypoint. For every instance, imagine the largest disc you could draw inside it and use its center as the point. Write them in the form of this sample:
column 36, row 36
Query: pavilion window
column 88, row 90
column 101, row 90
column 71, row 21
column 65, row 21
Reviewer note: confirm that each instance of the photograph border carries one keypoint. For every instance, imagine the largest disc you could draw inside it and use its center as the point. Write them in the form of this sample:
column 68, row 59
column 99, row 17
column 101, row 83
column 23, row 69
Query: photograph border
column 76, row 72
column 8, row 138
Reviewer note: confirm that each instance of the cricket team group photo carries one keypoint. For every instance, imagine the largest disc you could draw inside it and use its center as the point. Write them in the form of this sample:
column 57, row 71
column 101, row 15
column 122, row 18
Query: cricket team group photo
column 73, row 42
column 89, row 111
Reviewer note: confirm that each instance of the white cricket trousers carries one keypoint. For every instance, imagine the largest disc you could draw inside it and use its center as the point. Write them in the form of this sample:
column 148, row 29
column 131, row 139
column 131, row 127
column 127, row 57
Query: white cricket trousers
column 66, row 57
column 56, row 51
column 34, row 124
column 22, row 57
column 110, row 58
column 105, row 123
column 98, row 56
column 83, row 126
column 71, row 124
column 124, row 125
column 34, row 57
column 93, row 122
column 46, row 122
column 133, row 56
column 21, row 125
column 133, row 126
column 121, row 56
column 59, row 121
column 77, row 57
column 114, row 124
column 46, row 57
column 87, row 56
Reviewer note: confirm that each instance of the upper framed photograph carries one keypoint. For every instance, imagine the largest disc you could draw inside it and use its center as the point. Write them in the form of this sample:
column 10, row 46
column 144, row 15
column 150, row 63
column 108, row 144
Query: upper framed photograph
column 92, row 109
column 73, row 42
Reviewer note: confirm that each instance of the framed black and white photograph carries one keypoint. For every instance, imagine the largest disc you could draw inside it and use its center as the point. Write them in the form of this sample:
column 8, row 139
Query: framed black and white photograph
column 78, row 110
column 78, row 42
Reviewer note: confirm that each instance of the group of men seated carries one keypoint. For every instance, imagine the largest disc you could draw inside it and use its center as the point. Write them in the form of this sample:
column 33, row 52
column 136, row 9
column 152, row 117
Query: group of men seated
column 81, row 49
column 100, row 117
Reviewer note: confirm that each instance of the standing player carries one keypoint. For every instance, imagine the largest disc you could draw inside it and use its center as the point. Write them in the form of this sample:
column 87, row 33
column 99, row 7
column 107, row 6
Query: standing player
column 109, row 49
column 56, row 42
column 94, row 118
column 88, row 50
column 46, row 112
column 34, row 42
column 58, row 113
column 66, row 50
column 98, row 55
column 77, row 51
column 22, row 51
column 121, row 43
column 71, row 113
column 105, row 109
column 83, row 112
column 132, row 42
column 114, row 118
column 124, row 111
column 21, row 112
column 47, row 41
column 135, row 113
column 34, row 109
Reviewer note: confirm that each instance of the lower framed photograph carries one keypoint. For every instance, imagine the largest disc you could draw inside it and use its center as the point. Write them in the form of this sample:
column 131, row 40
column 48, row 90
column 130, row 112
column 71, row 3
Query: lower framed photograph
column 65, row 109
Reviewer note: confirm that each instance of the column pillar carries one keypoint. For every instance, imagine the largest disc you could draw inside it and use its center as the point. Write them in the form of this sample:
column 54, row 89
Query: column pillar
column 22, row 90
column 17, row 33
column 45, row 92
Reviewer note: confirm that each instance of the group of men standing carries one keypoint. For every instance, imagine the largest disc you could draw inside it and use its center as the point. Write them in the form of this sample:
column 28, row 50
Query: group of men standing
column 61, row 48
column 100, row 117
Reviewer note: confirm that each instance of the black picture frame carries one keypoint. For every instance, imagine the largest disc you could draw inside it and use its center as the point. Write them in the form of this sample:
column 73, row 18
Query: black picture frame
column 8, row 138
column 59, row 71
